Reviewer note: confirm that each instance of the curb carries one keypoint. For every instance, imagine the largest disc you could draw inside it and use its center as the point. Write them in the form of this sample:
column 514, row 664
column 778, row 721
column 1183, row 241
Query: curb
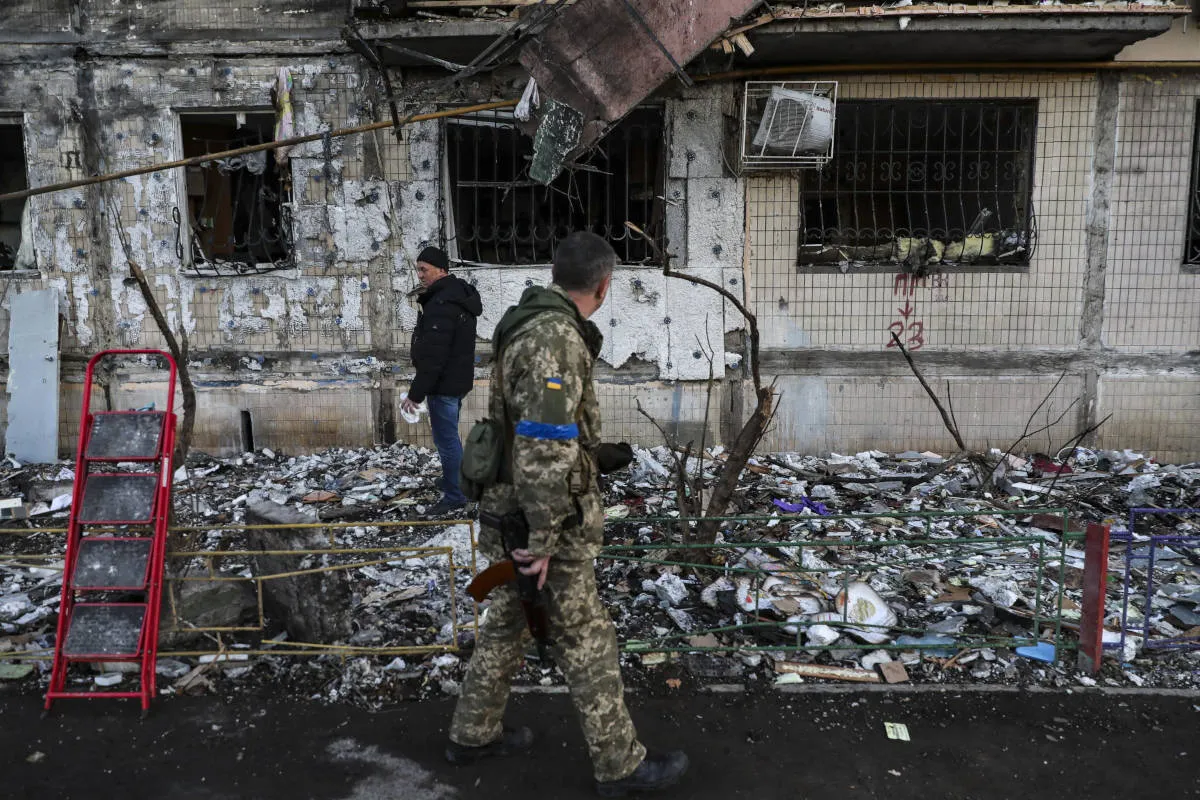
column 829, row 688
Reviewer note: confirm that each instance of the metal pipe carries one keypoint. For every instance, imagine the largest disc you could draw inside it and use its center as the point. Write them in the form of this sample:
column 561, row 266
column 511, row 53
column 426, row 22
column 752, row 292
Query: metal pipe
column 968, row 66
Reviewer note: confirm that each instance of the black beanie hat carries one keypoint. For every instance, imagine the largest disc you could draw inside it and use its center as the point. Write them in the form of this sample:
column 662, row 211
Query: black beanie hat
column 436, row 257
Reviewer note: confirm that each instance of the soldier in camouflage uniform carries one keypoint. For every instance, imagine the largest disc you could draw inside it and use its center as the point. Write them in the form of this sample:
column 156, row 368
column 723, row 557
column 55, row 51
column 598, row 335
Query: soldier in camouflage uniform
column 542, row 390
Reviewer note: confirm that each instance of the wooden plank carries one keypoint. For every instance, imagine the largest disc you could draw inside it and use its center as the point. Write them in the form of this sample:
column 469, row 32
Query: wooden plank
column 828, row 673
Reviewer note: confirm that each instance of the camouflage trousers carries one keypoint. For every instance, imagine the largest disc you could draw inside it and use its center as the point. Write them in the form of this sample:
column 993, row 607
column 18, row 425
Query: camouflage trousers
column 585, row 648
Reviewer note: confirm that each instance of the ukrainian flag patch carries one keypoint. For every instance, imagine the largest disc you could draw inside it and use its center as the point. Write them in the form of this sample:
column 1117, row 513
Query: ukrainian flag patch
column 554, row 383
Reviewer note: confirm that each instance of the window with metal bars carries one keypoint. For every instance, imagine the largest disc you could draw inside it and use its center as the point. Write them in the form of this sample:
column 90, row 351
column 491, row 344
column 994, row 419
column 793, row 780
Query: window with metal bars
column 238, row 208
column 921, row 185
column 1191, row 255
column 497, row 215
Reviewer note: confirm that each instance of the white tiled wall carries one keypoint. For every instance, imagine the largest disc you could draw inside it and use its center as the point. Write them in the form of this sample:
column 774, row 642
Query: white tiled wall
column 960, row 311
column 1152, row 305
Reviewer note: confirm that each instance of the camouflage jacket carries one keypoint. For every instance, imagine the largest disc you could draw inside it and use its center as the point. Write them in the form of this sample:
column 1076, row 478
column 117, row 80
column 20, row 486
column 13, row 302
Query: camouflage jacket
column 542, row 390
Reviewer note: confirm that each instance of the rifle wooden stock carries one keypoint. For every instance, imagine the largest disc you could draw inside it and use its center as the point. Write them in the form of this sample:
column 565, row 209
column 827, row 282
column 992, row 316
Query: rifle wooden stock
column 497, row 574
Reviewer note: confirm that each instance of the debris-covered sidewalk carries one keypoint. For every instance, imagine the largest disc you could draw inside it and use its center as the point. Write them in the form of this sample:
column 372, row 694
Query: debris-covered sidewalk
column 868, row 567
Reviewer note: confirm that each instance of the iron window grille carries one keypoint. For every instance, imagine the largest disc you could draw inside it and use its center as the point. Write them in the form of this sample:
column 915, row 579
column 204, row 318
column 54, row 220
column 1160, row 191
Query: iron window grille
column 919, row 185
column 498, row 215
column 1191, row 256
column 239, row 210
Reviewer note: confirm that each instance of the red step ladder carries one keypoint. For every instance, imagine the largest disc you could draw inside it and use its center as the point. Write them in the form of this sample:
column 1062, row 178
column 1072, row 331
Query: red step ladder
column 116, row 541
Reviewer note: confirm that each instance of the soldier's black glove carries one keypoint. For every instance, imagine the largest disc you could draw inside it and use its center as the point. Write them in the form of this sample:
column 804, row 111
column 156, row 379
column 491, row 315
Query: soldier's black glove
column 612, row 457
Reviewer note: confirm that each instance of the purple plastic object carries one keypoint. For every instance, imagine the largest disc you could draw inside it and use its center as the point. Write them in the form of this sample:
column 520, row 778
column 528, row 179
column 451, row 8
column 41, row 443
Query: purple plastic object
column 796, row 508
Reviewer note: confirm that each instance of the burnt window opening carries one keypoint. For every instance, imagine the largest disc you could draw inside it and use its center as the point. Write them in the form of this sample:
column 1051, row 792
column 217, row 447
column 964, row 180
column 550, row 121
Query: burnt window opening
column 239, row 208
column 922, row 185
column 1191, row 256
column 16, row 251
column 498, row 215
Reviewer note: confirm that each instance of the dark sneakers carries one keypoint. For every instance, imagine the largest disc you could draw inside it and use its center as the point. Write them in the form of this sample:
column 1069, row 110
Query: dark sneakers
column 444, row 507
column 513, row 740
column 655, row 772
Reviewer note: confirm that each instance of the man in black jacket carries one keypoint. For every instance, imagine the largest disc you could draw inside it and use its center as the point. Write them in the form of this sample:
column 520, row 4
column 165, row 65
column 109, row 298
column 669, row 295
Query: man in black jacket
column 443, row 352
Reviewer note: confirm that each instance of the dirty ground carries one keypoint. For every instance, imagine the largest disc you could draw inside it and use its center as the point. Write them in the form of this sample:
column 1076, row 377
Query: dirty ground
column 989, row 745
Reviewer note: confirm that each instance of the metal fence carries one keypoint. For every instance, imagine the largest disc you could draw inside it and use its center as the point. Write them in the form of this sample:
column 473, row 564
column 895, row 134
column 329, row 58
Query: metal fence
column 920, row 545
column 1157, row 554
column 333, row 558
column 913, row 539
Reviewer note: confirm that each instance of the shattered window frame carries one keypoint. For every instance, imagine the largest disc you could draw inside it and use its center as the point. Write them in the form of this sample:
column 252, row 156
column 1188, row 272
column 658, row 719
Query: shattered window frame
column 527, row 219
column 260, row 235
column 17, row 253
column 1191, row 238
column 921, row 186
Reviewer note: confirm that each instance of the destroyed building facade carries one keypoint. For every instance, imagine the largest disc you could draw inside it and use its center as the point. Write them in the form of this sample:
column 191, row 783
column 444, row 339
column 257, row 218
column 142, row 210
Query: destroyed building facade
column 1019, row 210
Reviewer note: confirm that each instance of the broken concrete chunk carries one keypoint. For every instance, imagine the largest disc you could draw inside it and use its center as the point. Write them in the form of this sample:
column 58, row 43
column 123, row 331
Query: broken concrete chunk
column 893, row 672
column 671, row 589
column 1004, row 593
column 314, row 607
column 14, row 605
column 682, row 619
column 875, row 657
column 821, row 635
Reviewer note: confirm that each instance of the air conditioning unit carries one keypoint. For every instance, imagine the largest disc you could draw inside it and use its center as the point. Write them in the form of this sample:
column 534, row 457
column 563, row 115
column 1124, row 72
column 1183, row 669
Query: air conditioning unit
column 788, row 125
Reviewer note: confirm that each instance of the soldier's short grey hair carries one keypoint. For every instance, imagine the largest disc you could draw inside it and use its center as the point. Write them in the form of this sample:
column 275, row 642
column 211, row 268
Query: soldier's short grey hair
column 581, row 261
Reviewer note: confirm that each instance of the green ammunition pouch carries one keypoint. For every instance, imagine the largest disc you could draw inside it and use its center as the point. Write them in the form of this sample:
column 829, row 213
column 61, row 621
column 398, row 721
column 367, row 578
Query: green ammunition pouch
column 482, row 458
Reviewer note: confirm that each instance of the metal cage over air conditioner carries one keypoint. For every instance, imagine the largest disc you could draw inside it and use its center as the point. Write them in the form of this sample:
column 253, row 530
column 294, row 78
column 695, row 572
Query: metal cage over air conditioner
column 788, row 124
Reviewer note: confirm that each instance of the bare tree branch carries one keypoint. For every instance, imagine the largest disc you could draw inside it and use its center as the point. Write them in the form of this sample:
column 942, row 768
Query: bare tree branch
column 178, row 347
column 680, row 473
column 752, row 431
column 950, row 426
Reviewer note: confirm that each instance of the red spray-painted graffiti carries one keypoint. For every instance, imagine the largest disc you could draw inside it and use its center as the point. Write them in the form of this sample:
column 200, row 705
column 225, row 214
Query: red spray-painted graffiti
column 909, row 328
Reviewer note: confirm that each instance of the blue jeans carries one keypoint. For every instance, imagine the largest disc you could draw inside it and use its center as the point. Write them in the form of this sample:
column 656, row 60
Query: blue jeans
column 443, row 418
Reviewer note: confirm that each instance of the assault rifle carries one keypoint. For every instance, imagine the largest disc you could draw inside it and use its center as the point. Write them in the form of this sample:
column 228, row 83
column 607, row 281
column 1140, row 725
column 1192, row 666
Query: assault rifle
column 514, row 535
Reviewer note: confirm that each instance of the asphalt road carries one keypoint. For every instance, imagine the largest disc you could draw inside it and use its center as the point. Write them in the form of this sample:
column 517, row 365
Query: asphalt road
column 964, row 746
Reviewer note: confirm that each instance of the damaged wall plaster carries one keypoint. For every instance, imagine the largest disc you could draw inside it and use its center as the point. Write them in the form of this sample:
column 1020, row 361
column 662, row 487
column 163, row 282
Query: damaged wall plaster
column 343, row 310
column 345, row 224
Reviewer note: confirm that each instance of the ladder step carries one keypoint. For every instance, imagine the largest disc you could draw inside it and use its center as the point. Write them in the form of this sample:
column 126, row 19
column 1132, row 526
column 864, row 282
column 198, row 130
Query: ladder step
column 108, row 564
column 119, row 499
column 125, row 435
column 105, row 630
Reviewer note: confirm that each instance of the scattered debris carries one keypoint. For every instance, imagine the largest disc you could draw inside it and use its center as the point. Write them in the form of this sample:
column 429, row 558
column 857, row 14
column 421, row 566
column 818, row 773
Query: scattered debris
column 897, row 730
column 806, row 594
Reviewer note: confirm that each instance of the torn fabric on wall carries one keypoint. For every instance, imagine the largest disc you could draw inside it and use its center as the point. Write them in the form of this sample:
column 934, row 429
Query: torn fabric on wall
column 285, row 127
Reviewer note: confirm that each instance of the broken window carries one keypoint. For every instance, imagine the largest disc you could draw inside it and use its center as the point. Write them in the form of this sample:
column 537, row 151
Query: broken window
column 239, row 208
column 498, row 215
column 919, row 184
column 16, row 251
column 1191, row 255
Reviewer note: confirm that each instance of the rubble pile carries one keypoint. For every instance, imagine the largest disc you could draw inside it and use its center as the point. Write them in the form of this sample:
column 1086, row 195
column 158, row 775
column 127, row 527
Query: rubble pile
column 945, row 566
